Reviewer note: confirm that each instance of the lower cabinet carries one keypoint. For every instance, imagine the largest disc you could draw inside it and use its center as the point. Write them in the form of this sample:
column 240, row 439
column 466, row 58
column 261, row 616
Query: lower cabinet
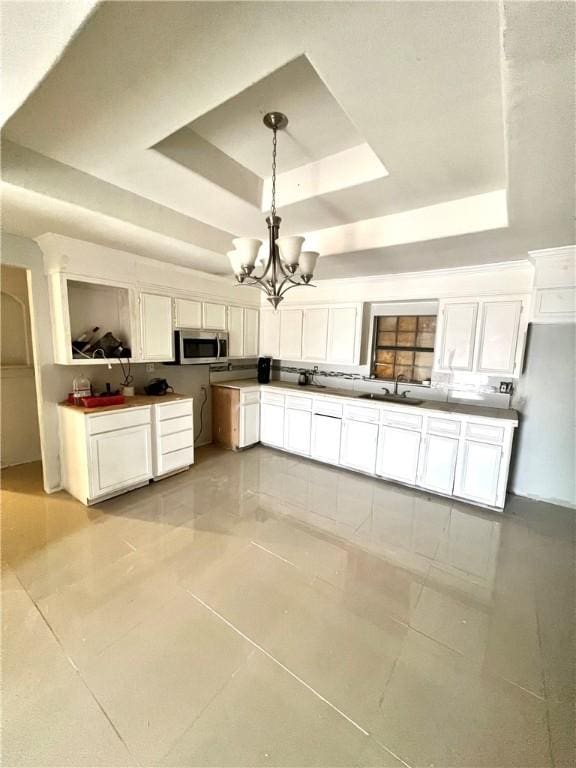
column 325, row 445
column 249, row 424
column 478, row 472
column 120, row 459
column 173, row 436
column 398, row 453
column 359, row 445
column 298, row 431
column 272, row 424
column 437, row 465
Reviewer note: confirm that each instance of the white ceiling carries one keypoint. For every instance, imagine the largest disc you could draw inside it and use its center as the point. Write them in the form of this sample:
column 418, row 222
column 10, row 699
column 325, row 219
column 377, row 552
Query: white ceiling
column 458, row 100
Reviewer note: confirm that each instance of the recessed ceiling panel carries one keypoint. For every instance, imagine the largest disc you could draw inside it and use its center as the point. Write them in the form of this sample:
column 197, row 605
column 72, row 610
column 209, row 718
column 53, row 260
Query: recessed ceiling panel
column 318, row 127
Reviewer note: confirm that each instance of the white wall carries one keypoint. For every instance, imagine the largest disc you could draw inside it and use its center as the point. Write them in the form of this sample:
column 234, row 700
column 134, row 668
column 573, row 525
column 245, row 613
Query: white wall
column 545, row 451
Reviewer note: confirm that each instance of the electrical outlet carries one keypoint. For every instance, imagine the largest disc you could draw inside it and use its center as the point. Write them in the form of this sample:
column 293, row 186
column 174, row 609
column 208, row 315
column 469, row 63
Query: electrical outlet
column 506, row 387
column 150, row 367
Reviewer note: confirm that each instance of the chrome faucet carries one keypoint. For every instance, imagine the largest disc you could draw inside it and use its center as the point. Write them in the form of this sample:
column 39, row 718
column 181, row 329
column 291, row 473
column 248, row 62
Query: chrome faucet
column 397, row 379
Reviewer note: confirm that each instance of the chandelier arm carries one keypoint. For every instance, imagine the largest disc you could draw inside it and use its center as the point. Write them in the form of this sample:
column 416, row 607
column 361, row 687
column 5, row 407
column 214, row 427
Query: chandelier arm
column 297, row 285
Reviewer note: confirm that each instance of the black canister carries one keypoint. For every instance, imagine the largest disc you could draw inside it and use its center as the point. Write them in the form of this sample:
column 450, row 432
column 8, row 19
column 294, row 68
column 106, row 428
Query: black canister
column 264, row 364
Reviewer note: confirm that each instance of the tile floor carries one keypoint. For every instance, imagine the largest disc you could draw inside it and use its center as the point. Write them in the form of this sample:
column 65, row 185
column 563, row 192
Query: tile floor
column 265, row 610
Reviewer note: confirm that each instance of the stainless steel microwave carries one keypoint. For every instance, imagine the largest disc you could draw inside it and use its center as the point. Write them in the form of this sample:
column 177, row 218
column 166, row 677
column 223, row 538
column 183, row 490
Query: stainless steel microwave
column 192, row 346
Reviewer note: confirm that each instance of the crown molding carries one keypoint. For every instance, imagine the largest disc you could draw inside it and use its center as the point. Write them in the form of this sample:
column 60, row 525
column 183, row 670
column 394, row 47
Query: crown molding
column 500, row 266
column 562, row 251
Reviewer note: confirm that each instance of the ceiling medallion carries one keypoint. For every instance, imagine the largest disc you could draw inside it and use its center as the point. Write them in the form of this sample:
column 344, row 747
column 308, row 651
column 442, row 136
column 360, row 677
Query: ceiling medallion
column 285, row 254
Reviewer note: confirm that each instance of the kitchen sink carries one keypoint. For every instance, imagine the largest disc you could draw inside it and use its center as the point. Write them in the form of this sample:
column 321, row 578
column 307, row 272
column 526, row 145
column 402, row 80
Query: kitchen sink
column 390, row 399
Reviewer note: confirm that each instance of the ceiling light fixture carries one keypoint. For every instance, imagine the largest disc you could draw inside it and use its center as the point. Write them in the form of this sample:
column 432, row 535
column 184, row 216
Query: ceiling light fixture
column 285, row 254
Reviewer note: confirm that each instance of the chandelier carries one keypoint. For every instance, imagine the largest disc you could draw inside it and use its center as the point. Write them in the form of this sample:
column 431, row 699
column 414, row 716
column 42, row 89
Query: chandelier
column 286, row 266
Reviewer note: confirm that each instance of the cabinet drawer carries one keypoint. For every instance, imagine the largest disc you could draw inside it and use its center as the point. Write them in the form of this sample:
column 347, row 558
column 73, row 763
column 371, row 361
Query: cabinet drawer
column 299, row 403
column 398, row 418
column 175, row 442
column 170, row 462
column 489, row 433
column 171, row 426
column 271, row 398
column 248, row 398
column 328, row 407
column 358, row 413
column 443, row 426
column 106, row 422
column 174, row 410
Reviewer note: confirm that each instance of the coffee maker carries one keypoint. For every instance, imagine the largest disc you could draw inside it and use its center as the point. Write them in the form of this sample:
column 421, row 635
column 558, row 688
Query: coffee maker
column 264, row 364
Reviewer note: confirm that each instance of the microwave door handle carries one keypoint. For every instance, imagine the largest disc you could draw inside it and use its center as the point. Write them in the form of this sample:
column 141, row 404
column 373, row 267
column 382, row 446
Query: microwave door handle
column 218, row 349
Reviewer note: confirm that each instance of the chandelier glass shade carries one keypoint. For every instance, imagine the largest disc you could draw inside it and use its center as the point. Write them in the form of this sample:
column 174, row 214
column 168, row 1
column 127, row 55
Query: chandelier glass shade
column 285, row 265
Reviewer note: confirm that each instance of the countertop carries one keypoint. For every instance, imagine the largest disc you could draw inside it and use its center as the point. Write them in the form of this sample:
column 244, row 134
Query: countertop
column 136, row 401
column 482, row 411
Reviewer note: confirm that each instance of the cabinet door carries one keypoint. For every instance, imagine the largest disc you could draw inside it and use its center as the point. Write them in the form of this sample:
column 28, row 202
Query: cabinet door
column 251, row 332
column 358, row 447
column 398, row 451
column 498, row 337
column 298, row 431
column 343, row 327
column 437, row 464
column 291, row 334
column 188, row 313
column 120, row 459
column 456, row 336
column 214, row 316
column 269, row 333
column 314, row 334
column 249, row 424
column 156, row 324
column 326, row 438
column 235, row 331
column 478, row 472
column 272, row 424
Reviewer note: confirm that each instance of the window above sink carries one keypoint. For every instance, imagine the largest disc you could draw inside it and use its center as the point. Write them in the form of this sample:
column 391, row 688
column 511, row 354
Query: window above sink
column 404, row 346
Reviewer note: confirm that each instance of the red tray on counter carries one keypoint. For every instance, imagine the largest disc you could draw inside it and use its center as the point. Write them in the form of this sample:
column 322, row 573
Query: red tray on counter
column 98, row 401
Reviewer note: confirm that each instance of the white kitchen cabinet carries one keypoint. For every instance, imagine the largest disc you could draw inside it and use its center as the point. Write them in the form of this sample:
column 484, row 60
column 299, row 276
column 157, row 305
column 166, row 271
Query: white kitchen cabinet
column 359, row 445
column 119, row 459
column 456, row 335
column 437, row 464
column 106, row 453
column 187, row 313
column 235, row 332
column 157, row 338
column 269, row 345
column 478, row 472
column 298, row 431
column 326, row 432
column 315, row 334
column 214, row 316
column 344, row 328
column 250, row 332
column 272, row 424
column 398, row 452
column 249, row 424
column 291, row 334
column 498, row 336
column 172, row 436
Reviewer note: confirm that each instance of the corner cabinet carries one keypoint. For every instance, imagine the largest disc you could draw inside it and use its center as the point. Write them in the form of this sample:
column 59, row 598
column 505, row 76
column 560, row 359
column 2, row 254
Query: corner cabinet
column 482, row 336
column 242, row 332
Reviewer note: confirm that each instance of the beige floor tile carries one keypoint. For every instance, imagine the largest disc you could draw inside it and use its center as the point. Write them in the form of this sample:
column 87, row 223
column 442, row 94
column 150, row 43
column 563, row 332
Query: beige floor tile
column 438, row 710
column 155, row 680
column 49, row 716
column 264, row 717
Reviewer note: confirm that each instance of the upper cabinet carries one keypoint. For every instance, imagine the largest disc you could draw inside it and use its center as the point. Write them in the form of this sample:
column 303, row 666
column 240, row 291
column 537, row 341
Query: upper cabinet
column 456, row 336
column 187, row 313
column 344, row 331
column 291, row 334
column 314, row 334
column 483, row 336
column 157, row 339
column 269, row 345
column 214, row 316
column 554, row 285
column 242, row 332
